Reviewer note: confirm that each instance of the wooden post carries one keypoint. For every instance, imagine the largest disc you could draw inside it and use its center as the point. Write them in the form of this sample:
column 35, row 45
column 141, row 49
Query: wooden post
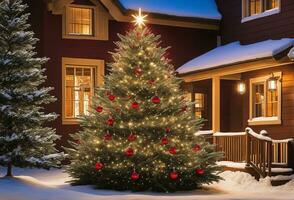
column 216, row 104
column 270, row 153
column 9, row 170
column 247, row 149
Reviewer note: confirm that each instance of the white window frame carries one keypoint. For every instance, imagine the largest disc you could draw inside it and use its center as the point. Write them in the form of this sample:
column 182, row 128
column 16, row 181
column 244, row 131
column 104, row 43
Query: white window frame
column 94, row 63
column 265, row 120
column 264, row 13
column 99, row 27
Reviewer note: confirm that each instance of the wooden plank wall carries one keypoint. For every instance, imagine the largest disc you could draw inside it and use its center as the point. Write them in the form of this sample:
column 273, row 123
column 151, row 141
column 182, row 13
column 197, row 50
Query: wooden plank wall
column 272, row 27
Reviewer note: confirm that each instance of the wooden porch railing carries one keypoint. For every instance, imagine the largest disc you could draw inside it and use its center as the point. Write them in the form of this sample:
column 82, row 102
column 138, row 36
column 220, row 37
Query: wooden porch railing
column 258, row 151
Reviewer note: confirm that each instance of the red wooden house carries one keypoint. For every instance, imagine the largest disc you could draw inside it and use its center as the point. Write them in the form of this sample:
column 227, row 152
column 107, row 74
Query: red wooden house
column 234, row 55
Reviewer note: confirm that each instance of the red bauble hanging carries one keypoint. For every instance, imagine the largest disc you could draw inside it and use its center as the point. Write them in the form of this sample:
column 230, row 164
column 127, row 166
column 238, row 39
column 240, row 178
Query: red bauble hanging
column 132, row 137
column 135, row 105
column 151, row 82
column 155, row 100
column 138, row 71
column 197, row 148
column 78, row 141
column 98, row 166
column 174, row 175
column 129, row 152
column 200, row 171
column 135, row 176
column 168, row 130
column 99, row 109
column 111, row 97
column 164, row 141
column 110, row 121
column 172, row 150
column 108, row 136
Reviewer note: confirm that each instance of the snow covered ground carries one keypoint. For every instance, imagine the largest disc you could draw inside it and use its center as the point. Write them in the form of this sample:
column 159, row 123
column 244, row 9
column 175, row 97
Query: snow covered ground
column 48, row 185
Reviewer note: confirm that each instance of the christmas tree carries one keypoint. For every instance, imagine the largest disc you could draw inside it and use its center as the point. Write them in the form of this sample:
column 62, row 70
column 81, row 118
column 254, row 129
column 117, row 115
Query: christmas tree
column 24, row 141
column 140, row 133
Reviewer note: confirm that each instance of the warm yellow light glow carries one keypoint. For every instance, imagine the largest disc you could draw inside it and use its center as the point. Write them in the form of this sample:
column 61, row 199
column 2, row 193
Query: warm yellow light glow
column 241, row 88
column 139, row 19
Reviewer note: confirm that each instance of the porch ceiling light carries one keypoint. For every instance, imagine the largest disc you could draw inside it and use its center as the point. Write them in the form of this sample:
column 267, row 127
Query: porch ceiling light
column 272, row 83
column 241, row 87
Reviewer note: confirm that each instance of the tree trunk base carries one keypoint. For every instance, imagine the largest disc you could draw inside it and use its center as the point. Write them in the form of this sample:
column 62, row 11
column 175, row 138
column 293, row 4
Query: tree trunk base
column 9, row 170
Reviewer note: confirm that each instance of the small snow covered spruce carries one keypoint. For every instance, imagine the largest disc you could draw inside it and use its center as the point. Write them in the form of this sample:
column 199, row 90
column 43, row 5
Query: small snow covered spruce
column 138, row 136
column 24, row 141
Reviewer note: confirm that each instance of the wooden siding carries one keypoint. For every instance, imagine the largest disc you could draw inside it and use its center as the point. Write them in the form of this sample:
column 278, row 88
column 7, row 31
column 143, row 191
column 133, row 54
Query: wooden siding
column 186, row 43
column 272, row 27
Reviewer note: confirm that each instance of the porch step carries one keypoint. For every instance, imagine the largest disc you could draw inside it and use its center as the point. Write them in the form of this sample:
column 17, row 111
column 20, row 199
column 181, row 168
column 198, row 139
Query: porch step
column 282, row 171
column 281, row 179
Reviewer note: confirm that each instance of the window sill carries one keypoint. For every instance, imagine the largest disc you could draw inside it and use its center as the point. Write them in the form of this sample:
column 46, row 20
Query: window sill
column 260, row 15
column 82, row 37
column 70, row 122
column 264, row 121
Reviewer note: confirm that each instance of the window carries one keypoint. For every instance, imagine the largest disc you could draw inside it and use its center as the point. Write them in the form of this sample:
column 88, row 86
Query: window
column 265, row 105
column 79, row 89
column 199, row 105
column 253, row 9
column 198, row 100
column 79, row 21
column 80, row 76
column 85, row 22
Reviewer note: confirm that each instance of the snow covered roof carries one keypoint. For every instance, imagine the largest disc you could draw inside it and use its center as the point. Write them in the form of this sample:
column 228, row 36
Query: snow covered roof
column 206, row 9
column 235, row 53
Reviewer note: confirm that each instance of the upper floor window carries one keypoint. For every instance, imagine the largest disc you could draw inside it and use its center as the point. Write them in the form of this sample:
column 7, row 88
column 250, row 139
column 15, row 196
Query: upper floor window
column 253, row 9
column 88, row 22
column 79, row 21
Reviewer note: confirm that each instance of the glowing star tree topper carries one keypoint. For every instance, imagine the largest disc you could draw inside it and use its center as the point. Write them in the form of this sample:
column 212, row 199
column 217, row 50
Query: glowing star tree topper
column 139, row 19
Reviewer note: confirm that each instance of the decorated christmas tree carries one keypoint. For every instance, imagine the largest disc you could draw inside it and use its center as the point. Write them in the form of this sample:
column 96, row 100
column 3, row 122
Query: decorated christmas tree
column 140, row 133
column 24, row 141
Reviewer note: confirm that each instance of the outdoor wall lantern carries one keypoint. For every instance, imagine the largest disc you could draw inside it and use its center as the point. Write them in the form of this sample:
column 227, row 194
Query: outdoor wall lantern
column 272, row 83
column 241, row 87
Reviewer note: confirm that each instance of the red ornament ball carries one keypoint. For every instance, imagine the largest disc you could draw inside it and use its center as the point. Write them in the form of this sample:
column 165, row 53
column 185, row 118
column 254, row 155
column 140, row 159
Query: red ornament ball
column 155, row 100
column 168, row 130
column 197, row 148
column 174, row 175
column 129, row 152
column 135, row 105
column 200, row 171
column 172, row 150
column 135, row 176
column 164, row 141
column 138, row 71
column 111, row 97
column 132, row 137
column 108, row 136
column 151, row 82
column 99, row 109
column 98, row 166
column 184, row 108
column 110, row 122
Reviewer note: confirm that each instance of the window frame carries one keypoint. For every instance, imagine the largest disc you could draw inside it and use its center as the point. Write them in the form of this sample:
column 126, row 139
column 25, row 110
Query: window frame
column 99, row 21
column 99, row 80
column 265, row 120
column 93, row 20
column 264, row 13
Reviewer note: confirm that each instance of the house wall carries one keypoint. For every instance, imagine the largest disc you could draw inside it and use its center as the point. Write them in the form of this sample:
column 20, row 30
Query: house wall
column 272, row 27
column 286, row 129
column 186, row 43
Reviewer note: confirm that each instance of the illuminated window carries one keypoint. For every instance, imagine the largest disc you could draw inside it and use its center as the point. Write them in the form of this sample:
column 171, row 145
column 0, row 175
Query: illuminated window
column 198, row 100
column 79, row 89
column 199, row 105
column 80, row 77
column 79, row 21
column 265, row 104
column 259, row 7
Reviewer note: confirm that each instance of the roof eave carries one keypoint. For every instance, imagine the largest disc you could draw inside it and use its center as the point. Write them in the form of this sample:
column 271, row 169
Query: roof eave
column 119, row 13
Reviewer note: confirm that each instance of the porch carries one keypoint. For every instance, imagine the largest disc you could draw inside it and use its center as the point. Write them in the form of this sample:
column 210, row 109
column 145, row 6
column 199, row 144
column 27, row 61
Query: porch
column 247, row 86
